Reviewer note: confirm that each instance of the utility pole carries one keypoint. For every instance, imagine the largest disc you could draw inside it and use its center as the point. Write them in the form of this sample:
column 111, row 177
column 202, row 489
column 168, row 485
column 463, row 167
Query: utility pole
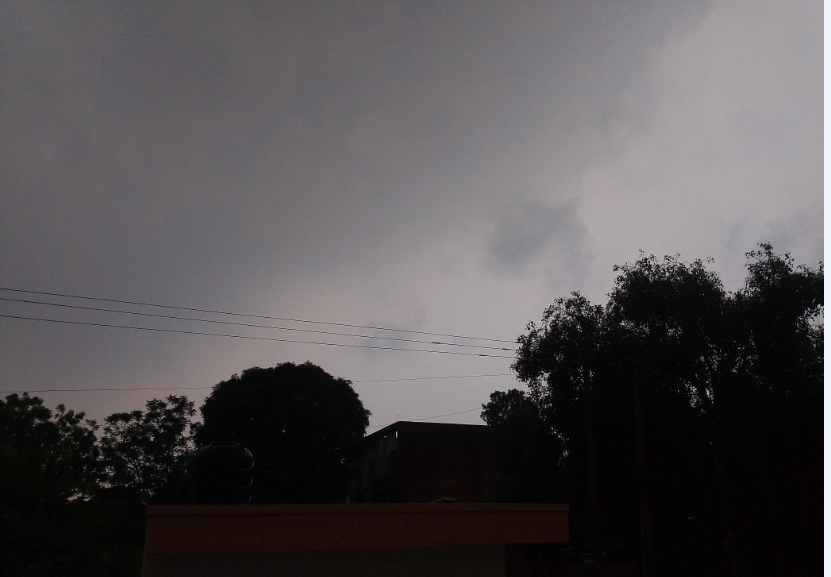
column 646, row 529
column 592, row 466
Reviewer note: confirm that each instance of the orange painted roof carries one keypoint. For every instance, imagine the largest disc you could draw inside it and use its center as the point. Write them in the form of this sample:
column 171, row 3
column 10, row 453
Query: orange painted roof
column 241, row 529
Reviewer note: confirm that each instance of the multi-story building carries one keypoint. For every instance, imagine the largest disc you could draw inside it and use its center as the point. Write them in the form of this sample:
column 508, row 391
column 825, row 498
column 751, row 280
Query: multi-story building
column 409, row 462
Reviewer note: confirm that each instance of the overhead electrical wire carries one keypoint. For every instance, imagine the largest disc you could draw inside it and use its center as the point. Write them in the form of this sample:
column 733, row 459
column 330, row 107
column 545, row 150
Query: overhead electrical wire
column 257, row 338
column 99, row 299
column 428, row 418
column 250, row 325
column 431, row 378
column 212, row 386
column 253, row 338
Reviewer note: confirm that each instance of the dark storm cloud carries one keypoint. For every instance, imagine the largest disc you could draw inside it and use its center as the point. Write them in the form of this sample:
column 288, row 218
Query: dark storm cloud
column 528, row 231
column 197, row 144
column 354, row 162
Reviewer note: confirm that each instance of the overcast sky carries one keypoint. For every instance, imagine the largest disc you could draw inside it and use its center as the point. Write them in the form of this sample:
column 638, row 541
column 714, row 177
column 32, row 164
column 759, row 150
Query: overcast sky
column 446, row 167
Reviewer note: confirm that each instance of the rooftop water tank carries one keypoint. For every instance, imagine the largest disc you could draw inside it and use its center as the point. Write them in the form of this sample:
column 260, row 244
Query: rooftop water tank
column 221, row 475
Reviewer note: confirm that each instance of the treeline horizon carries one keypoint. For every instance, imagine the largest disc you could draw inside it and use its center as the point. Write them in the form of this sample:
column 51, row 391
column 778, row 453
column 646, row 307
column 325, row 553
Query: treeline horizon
column 681, row 422
column 729, row 386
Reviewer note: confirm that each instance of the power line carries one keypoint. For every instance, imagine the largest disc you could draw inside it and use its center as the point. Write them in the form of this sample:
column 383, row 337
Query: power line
column 250, row 325
column 212, row 386
column 251, row 315
column 428, row 418
column 253, row 338
column 428, row 378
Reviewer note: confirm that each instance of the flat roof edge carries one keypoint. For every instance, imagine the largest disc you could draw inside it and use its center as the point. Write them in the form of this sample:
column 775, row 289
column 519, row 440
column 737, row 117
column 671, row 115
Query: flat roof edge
column 242, row 511
column 230, row 529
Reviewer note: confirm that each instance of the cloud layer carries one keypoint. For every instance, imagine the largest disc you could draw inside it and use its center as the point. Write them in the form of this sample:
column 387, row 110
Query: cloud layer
column 443, row 167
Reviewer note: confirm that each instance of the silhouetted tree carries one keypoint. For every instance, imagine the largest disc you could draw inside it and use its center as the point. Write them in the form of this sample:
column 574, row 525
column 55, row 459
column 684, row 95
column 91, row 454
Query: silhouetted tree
column 145, row 452
column 46, row 459
column 572, row 367
column 529, row 451
column 302, row 425
column 773, row 414
column 751, row 365
column 732, row 402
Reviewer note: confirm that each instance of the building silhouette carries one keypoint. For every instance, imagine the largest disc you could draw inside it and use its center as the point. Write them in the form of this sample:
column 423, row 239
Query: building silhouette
column 410, row 462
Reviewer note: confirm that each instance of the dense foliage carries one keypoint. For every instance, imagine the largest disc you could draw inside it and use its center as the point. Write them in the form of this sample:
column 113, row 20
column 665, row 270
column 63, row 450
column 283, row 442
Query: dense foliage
column 147, row 452
column 732, row 397
column 302, row 425
column 75, row 504
column 57, row 517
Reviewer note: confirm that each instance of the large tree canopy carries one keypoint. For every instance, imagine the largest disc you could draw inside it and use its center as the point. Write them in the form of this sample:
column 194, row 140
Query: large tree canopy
column 302, row 425
column 730, row 389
